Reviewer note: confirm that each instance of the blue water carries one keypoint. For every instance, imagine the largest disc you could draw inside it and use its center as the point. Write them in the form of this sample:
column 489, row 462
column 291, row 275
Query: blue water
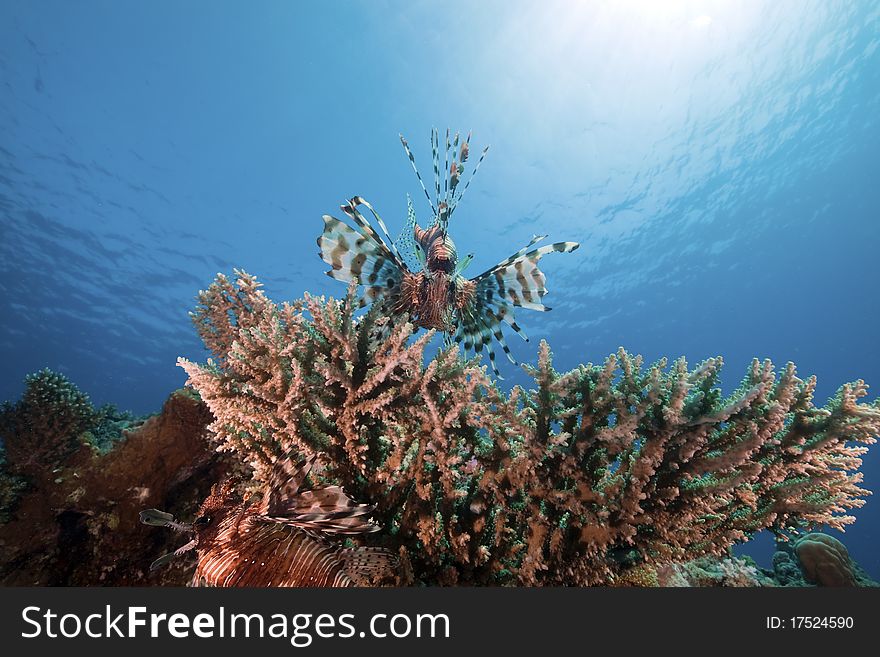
column 716, row 160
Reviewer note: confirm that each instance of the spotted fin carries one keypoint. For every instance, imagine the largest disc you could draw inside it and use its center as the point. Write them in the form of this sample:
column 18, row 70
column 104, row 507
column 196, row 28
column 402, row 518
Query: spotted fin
column 518, row 279
column 515, row 281
column 361, row 254
column 326, row 510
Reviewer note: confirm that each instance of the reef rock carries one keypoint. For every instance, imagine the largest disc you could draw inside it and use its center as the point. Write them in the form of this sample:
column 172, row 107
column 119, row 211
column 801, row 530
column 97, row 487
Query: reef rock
column 71, row 496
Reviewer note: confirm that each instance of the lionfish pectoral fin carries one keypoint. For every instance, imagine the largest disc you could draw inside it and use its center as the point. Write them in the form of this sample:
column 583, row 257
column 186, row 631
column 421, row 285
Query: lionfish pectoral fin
column 325, row 510
column 462, row 265
column 360, row 254
column 161, row 561
column 155, row 517
column 514, row 282
column 167, row 558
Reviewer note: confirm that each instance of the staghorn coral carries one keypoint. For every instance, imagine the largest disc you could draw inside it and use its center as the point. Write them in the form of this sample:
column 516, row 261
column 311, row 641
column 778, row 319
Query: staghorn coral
column 374, row 415
column 593, row 472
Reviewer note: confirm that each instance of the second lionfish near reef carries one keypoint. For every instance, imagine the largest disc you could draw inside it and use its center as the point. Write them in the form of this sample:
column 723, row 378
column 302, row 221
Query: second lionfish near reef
column 281, row 540
column 422, row 279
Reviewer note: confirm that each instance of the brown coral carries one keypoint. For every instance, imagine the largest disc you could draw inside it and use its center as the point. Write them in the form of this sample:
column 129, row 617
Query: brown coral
column 825, row 560
column 77, row 523
column 593, row 471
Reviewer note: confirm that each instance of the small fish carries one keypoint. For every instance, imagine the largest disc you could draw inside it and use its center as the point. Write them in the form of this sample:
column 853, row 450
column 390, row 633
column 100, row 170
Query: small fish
column 423, row 279
column 280, row 540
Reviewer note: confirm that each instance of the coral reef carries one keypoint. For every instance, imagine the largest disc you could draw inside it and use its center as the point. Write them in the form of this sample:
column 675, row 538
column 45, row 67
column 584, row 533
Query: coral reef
column 75, row 517
column 786, row 569
column 593, row 472
column 46, row 426
column 728, row 571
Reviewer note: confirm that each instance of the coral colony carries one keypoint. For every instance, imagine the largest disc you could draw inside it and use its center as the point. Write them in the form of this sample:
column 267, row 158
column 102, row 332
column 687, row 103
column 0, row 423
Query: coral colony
column 592, row 475
column 349, row 456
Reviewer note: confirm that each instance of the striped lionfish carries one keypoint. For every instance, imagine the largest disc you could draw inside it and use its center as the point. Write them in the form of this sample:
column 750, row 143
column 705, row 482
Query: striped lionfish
column 423, row 278
column 280, row 540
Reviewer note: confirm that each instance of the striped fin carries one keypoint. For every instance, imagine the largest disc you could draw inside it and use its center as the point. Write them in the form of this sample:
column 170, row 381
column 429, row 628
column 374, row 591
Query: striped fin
column 477, row 325
column 325, row 510
column 516, row 281
column 351, row 210
column 352, row 255
column 412, row 161
column 443, row 205
column 518, row 278
column 435, row 154
column 285, row 480
column 320, row 525
column 359, row 254
column 458, row 198
column 446, row 167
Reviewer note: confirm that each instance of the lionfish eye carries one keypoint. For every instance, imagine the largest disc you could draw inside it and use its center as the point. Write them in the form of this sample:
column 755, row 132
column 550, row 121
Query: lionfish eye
column 201, row 521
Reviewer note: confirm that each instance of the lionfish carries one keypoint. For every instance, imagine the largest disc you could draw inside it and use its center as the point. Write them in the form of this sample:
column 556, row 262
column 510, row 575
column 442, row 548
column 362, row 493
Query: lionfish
column 280, row 540
column 423, row 279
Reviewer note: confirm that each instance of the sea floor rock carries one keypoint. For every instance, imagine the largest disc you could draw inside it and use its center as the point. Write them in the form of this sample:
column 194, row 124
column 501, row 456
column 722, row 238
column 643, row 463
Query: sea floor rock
column 75, row 522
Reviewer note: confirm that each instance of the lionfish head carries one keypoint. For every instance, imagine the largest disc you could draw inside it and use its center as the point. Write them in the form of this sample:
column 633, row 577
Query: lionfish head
column 218, row 505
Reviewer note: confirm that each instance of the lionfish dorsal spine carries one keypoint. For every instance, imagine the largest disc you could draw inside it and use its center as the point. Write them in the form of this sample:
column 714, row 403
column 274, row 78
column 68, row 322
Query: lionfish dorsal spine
column 443, row 205
column 435, row 154
column 457, row 200
column 412, row 161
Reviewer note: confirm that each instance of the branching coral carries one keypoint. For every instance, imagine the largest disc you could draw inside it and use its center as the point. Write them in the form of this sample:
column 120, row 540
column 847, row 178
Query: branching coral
column 593, row 471
column 45, row 426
